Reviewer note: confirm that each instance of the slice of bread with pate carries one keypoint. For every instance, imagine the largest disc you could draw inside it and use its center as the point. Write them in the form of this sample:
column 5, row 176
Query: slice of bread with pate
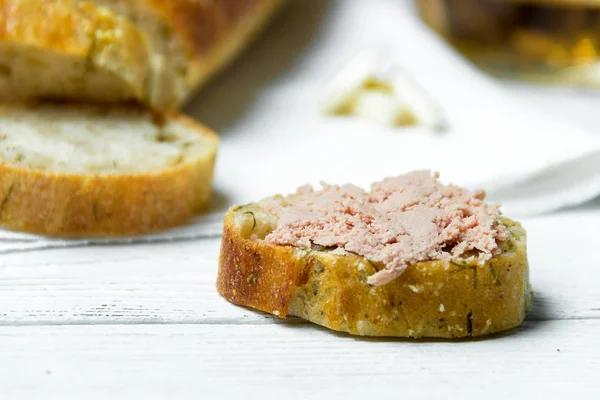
column 90, row 170
column 412, row 258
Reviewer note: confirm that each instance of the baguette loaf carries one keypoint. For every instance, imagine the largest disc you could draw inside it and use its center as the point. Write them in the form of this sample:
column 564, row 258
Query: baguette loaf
column 57, row 49
column 335, row 289
column 73, row 170
column 156, row 52
column 191, row 40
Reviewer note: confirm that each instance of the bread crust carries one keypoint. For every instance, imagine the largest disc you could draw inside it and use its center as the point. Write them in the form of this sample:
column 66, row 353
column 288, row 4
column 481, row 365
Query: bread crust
column 69, row 204
column 202, row 24
column 213, row 31
column 431, row 299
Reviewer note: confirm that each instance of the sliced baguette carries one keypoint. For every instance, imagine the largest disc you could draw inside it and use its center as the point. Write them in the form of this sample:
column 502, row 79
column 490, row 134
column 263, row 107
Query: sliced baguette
column 58, row 49
column 156, row 52
column 84, row 170
column 191, row 40
column 430, row 299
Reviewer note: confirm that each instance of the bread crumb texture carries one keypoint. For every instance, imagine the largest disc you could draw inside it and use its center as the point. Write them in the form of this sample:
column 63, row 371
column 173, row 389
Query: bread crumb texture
column 92, row 170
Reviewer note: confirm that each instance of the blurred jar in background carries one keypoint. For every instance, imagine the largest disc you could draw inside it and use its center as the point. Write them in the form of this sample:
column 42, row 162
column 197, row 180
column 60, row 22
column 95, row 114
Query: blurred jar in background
column 550, row 41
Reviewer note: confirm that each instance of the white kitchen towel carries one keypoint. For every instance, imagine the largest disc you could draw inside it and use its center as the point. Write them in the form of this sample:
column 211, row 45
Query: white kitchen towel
column 531, row 161
column 204, row 227
column 274, row 139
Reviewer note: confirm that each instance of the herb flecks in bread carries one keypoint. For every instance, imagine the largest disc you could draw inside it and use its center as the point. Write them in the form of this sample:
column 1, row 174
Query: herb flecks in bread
column 328, row 285
column 94, row 140
column 95, row 170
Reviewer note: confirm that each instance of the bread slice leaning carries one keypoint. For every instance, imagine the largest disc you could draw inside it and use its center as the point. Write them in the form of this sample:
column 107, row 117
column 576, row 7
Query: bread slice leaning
column 431, row 299
column 59, row 49
column 88, row 170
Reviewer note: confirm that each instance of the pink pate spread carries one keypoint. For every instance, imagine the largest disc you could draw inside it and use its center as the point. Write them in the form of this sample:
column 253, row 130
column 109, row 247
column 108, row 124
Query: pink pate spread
column 402, row 221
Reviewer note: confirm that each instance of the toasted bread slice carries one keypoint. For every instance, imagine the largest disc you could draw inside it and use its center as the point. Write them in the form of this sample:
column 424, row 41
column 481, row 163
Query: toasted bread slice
column 57, row 49
column 87, row 170
column 430, row 299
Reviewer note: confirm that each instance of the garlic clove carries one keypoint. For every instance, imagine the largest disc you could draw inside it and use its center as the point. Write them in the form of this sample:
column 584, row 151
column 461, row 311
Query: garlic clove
column 345, row 87
column 416, row 101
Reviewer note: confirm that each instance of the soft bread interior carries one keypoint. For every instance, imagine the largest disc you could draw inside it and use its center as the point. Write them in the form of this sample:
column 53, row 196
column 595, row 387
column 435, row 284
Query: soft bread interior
column 82, row 139
column 253, row 221
column 32, row 72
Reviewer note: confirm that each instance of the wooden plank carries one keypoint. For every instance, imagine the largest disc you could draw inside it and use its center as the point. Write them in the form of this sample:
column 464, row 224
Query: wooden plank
column 562, row 252
column 158, row 283
column 175, row 282
column 541, row 360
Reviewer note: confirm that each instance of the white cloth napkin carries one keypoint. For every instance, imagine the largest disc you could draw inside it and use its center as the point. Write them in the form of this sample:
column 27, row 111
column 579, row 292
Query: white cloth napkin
column 274, row 139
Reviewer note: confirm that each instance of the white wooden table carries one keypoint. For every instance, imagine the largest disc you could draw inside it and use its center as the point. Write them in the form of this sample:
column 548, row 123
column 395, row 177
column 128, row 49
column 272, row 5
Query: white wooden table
column 145, row 321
